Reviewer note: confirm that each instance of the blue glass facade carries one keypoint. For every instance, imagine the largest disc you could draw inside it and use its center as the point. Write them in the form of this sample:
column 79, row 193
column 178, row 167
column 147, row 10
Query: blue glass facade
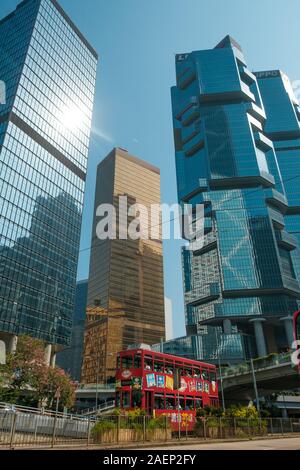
column 240, row 286
column 283, row 127
column 71, row 359
column 49, row 70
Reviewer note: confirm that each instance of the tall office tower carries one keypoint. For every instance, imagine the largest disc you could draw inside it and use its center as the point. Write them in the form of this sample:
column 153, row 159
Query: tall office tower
column 70, row 359
column 49, row 70
column 283, row 127
column 125, row 291
column 240, row 287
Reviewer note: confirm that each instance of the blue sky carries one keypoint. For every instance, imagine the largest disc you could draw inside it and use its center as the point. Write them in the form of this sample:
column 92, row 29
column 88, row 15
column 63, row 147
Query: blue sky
column 136, row 41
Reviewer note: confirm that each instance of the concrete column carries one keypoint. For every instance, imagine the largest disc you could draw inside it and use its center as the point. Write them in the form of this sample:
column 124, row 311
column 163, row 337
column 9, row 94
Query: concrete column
column 289, row 329
column 259, row 336
column 53, row 360
column 227, row 326
column 48, row 350
column 12, row 344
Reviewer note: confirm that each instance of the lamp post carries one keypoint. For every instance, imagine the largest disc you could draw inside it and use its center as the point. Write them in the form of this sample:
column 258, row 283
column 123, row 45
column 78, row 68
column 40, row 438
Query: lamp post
column 97, row 382
column 97, row 377
column 255, row 388
column 220, row 372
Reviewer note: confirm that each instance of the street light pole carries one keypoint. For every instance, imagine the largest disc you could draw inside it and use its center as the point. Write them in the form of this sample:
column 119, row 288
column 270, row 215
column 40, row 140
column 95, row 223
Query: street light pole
column 220, row 373
column 255, row 388
column 97, row 381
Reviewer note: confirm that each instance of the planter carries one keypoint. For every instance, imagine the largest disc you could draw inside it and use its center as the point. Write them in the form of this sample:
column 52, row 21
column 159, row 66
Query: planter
column 159, row 435
column 132, row 435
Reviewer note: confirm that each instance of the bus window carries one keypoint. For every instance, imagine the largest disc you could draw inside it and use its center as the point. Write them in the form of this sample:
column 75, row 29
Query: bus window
column 188, row 372
column 170, row 402
column 204, row 374
column 148, row 363
column 181, row 403
column 136, row 398
column 126, row 399
column 212, row 376
column 159, row 366
column 127, row 362
column 169, row 367
column 189, row 403
column 159, row 402
column 196, row 373
column 137, row 361
column 198, row 403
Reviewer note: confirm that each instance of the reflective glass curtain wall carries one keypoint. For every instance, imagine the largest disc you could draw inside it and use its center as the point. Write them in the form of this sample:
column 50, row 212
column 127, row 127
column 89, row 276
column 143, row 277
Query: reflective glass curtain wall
column 240, row 286
column 125, row 288
column 49, row 70
column 283, row 127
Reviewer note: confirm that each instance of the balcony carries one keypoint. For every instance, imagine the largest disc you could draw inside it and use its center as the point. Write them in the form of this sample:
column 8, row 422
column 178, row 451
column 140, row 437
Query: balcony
column 186, row 78
column 188, row 132
column 192, row 102
column 194, row 145
column 291, row 285
column 286, row 240
column 263, row 178
column 247, row 76
column 276, row 199
column 247, row 93
column 190, row 116
column 277, row 218
column 262, row 141
column 268, row 178
column 256, row 111
column 202, row 294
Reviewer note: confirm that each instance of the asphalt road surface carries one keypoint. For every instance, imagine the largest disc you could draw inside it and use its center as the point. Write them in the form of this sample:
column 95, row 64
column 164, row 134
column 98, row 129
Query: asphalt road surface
column 292, row 443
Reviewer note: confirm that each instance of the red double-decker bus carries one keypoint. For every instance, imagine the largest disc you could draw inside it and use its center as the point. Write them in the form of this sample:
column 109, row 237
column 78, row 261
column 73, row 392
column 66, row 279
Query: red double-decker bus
column 163, row 384
column 297, row 325
column 297, row 331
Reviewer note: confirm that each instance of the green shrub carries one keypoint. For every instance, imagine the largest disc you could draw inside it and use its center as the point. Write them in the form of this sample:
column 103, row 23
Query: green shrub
column 101, row 426
column 158, row 423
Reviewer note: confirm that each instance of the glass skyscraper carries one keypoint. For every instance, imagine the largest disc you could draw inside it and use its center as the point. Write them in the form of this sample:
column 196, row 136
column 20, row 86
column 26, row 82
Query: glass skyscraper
column 125, row 301
column 283, row 127
column 236, row 138
column 70, row 359
column 49, row 71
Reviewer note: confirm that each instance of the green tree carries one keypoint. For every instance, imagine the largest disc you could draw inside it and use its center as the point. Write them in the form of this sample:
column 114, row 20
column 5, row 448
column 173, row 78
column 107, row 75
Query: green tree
column 26, row 371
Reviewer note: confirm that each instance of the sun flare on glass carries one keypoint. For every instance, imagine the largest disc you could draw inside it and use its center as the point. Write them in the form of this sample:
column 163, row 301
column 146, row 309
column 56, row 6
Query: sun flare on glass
column 71, row 117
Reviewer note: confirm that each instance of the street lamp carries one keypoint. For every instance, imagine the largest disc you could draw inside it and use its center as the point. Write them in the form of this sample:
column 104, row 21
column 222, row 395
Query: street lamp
column 255, row 387
column 220, row 372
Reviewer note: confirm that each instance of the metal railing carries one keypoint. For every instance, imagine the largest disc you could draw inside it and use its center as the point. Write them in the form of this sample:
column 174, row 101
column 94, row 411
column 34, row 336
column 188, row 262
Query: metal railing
column 99, row 409
column 31, row 430
column 94, row 386
column 29, row 427
column 258, row 364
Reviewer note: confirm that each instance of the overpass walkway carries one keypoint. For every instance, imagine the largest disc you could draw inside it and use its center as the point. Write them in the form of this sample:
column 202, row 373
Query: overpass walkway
column 273, row 374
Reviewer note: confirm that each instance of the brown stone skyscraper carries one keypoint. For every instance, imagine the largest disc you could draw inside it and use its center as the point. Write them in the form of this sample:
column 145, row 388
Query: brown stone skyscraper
column 125, row 292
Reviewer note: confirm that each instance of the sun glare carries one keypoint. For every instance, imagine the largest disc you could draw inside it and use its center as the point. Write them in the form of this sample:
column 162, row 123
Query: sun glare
column 71, row 117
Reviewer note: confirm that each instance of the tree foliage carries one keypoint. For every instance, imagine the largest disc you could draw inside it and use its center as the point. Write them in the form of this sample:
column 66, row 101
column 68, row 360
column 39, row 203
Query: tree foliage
column 27, row 378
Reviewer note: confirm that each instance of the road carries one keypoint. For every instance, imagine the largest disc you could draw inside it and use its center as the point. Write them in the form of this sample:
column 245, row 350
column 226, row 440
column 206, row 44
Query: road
column 292, row 443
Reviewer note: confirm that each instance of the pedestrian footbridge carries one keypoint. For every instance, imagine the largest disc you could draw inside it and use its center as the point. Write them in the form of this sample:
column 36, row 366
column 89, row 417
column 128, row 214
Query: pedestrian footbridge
column 272, row 374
